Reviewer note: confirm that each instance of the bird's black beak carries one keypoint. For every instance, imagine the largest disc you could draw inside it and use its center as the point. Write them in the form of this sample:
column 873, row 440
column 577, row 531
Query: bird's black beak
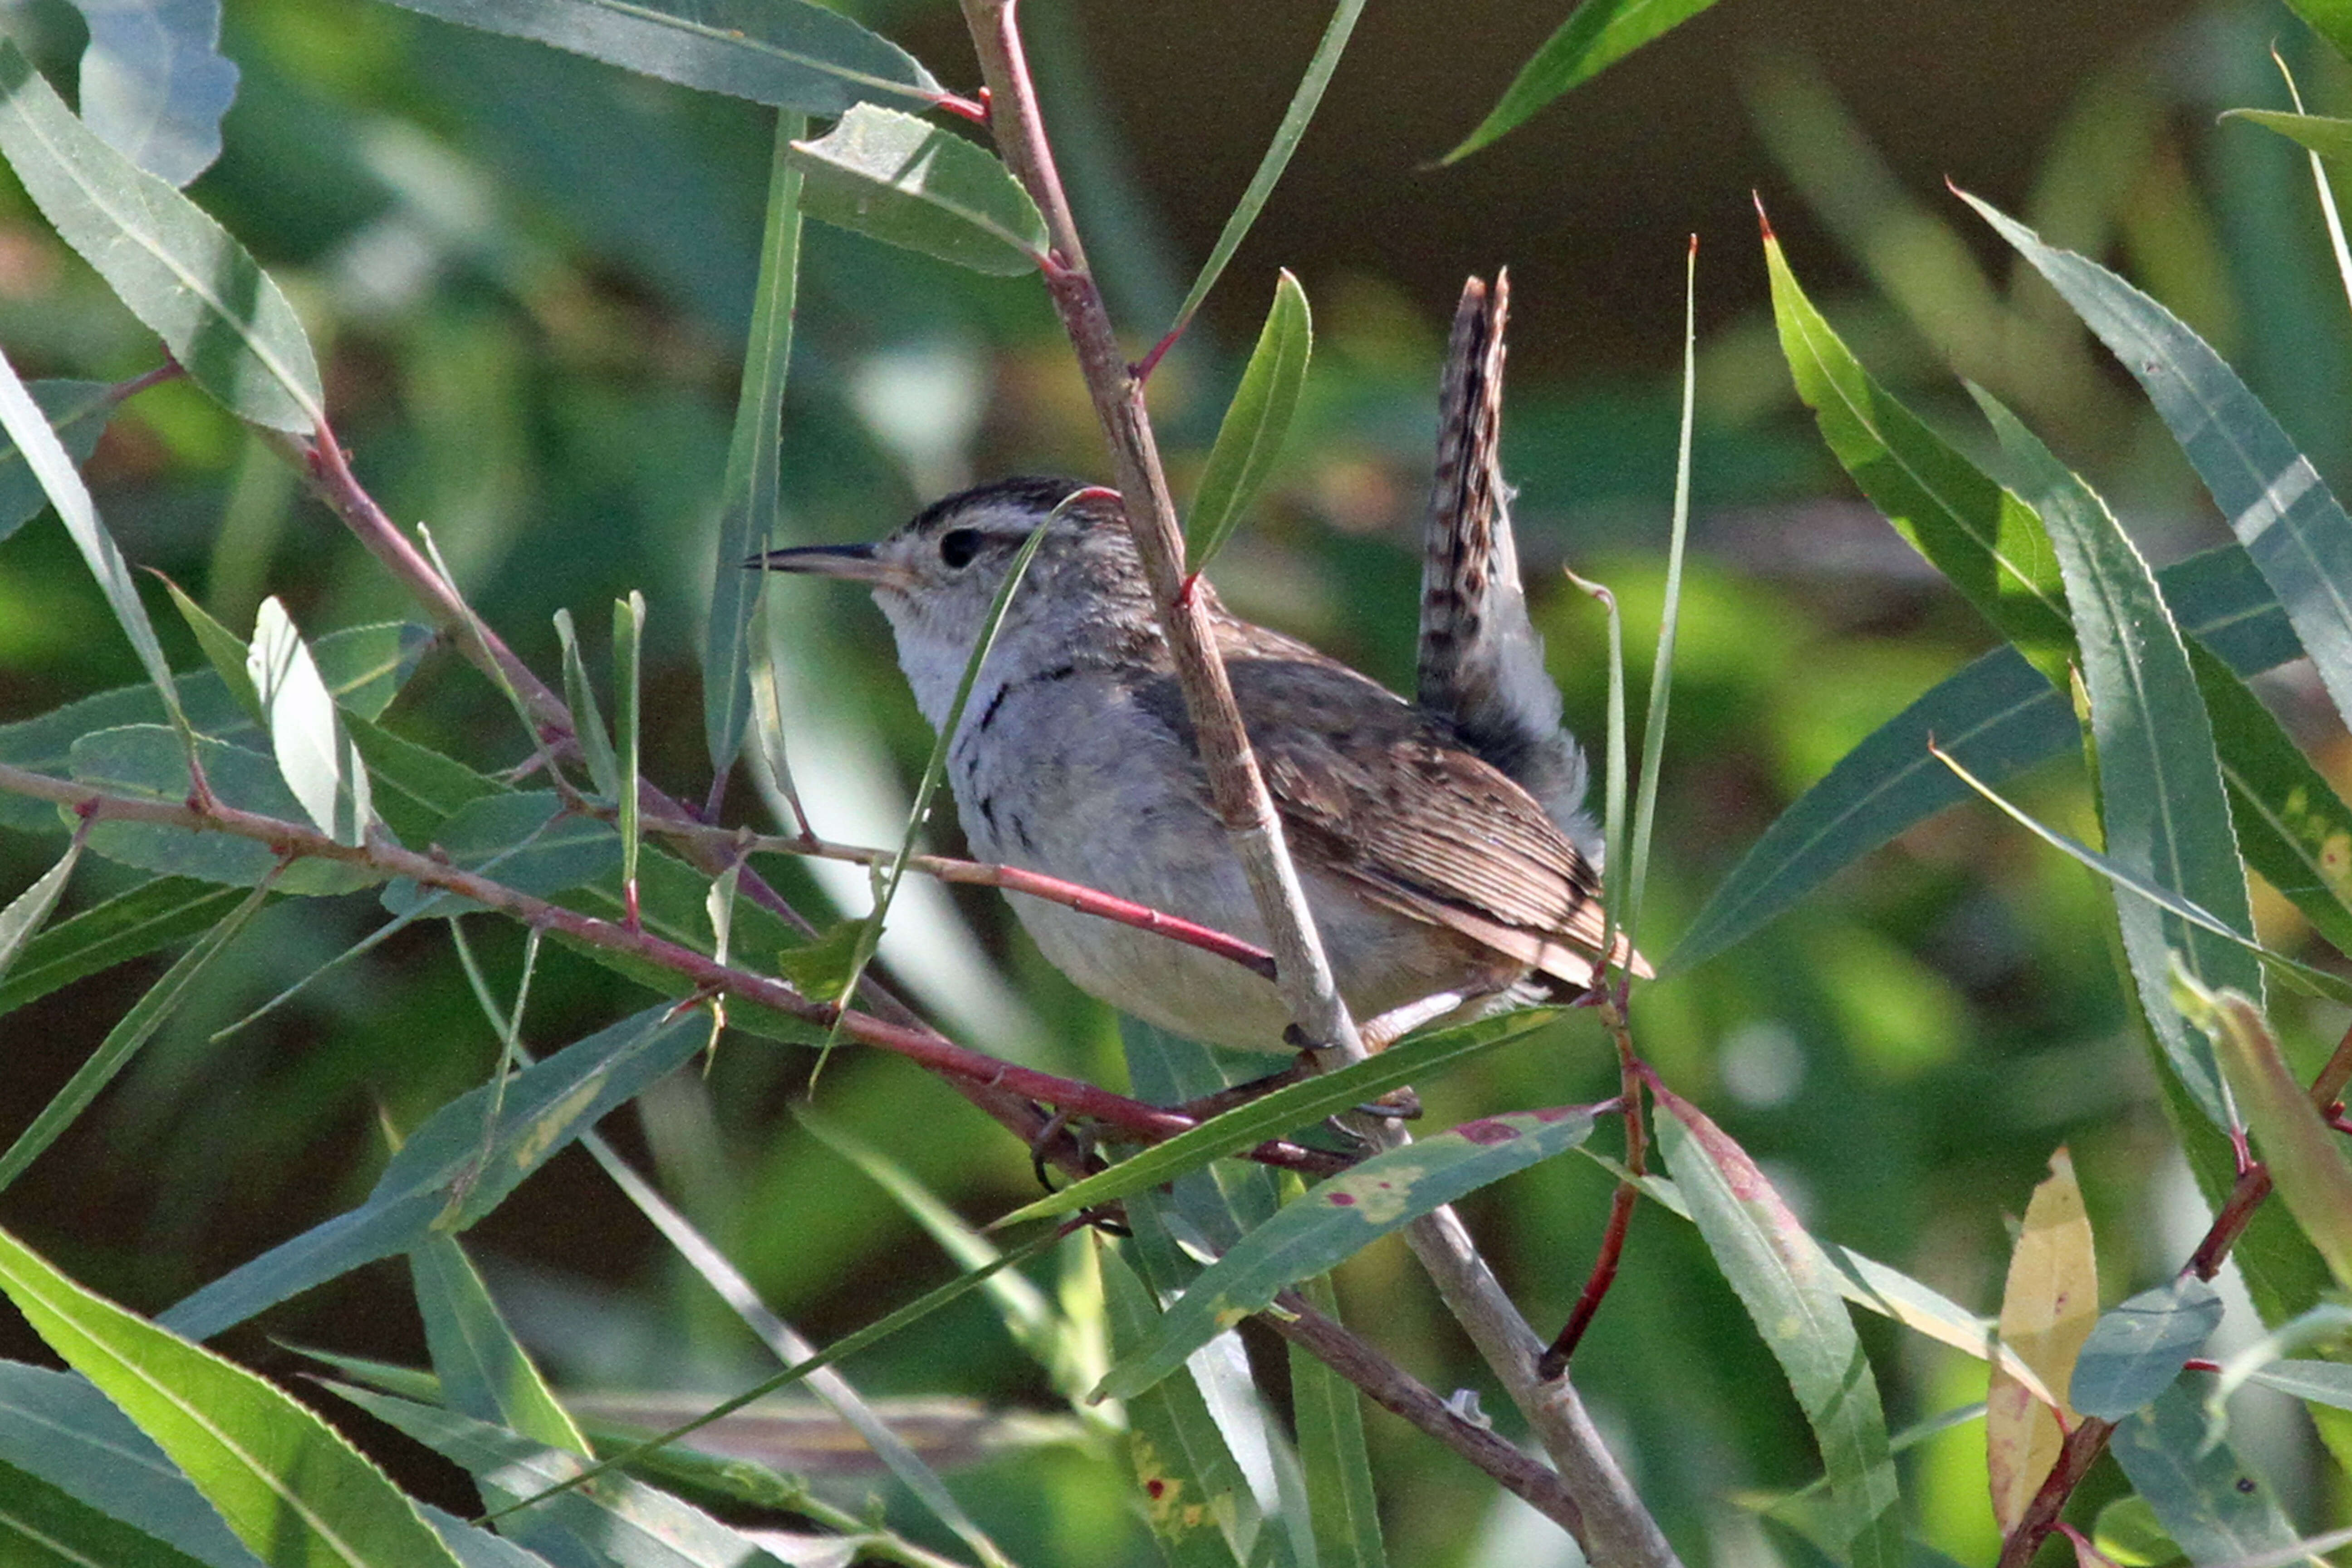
column 852, row 563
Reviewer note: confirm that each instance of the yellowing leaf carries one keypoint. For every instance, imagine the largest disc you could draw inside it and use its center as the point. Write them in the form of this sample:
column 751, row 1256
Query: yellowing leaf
column 2046, row 1312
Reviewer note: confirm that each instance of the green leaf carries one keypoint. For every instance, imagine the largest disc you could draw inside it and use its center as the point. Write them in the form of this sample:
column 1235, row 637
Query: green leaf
column 21, row 418
column 587, row 719
column 29, row 909
column 1997, row 717
column 177, row 270
column 147, row 917
column 2331, row 19
column 146, row 760
column 747, row 493
column 1250, row 438
column 1984, row 539
column 77, row 412
column 2331, row 138
column 318, row 762
column 2161, row 803
column 525, row 841
column 1789, row 1287
column 288, row 1484
column 545, row 1108
column 629, row 704
column 365, row 667
column 1195, row 1497
column 1418, row 1059
column 123, row 1041
column 1286, row 136
column 42, row 1525
column 1340, row 1217
column 1329, row 1422
column 2204, row 1494
column 484, row 1370
column 2292, row 825
column 2326, row 1383
column 821, row 967
column 1596, row 36
column 223, row 650
column 634, row 1525
column 891, row 177
column 2301, row 1150
column 2275, row 502
column 789, row 54
column 2136, row 1349
column 56, row 1426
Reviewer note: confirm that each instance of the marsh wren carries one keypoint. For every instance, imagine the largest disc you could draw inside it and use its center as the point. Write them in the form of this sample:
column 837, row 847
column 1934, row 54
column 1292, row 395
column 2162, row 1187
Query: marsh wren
column 1442, row 845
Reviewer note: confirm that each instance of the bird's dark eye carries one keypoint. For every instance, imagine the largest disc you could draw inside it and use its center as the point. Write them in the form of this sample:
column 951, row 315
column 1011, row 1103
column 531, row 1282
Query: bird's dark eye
column 957, row 546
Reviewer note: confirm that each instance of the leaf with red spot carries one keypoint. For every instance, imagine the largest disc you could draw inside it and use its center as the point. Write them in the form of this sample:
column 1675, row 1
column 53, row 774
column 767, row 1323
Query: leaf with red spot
column 1340, row 1217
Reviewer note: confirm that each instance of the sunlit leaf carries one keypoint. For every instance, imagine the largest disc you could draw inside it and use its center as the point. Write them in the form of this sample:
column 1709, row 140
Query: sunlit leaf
column 1997, row 717
column 2135, row 1353
column 2304, row 1154
column 546, row 1107
column 58, row 1427
column 77, row 411
column 1788, row 1286
column 1596, row 36
column 1250, row 438
column 250, row 1448
column 788, row 53
column 2161, row 804
column 29, row 911
column 893, row 177
column 154, row 84
column 2047, row 1307
column 2275, row 502
column 176, row 269
column 1985, row 540
column 1340, row 1217
column 1418, row 1059
column 317, row 762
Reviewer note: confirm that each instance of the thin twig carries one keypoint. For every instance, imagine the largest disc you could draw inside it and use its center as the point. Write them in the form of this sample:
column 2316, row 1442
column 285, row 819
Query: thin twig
column 1621, row 1202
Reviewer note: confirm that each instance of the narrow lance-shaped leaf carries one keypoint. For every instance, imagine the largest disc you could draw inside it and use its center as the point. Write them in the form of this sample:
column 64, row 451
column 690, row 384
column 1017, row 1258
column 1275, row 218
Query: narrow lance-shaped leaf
column 2275, row 502
column 1329, row 1417
column 1341, row 1216
column 747, row 493
column 223, row 650
column 1250, row 438
column 789, row 54
column 28, row 910
column 1997, row 717
column 2330, row 138
column 317, row 760
column 29, row 430
column 1786, row 1284
column 1596, row 36
column 2301, row 1150
column 1294, row 120
column 895, row 178
column 2161, row 803
column 290, row 1487
column 176, row 269
column 2208, row 1500
column 77, row 412
column 1984, row 539
column 122, row 1042
column 628, row 695
column 2047, row 1307
column 154, row 83
column 148, row 916
column 587, row 719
